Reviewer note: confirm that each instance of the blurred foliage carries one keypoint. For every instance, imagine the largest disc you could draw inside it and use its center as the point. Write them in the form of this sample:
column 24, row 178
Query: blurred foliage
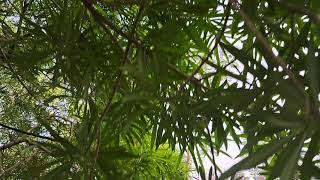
column 106, row 89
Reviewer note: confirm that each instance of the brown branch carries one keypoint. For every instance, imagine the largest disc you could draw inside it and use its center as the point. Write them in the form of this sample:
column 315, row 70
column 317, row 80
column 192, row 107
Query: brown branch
column 21, row 140
column 270, row 55
column 25, row 132
column 302, row 10
column 16, row 165
column 219, row 36
column 268, row 50
column 24, row 8
column 104, row 23
column 16, row 75
column 115, row 87
column 213, row 156
column 63, row 118
column 117, row 82
column 186, row 77
column 205, row 60
column 224, row 71
column 120, row 3
column 11, row 144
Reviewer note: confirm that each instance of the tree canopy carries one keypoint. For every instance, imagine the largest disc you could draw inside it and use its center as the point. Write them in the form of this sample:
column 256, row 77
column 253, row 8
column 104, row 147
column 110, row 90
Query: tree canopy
column 121, row 89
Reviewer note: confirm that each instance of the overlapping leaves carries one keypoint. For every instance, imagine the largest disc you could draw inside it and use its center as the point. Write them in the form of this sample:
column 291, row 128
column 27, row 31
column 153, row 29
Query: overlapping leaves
column 102, row 78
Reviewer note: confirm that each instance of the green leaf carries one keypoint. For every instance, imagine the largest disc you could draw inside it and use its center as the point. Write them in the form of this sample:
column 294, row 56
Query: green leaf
column 292, row 158
column 136, row 98
column 153, row 136
column 258, row 157
column 245, row 58
column 279, row 122
column 312, row 74
column 59, row 172
column 201, row 167
column 313, row 149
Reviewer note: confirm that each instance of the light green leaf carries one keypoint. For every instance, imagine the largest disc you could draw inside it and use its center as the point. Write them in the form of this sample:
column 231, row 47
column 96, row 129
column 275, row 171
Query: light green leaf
column 256, row 158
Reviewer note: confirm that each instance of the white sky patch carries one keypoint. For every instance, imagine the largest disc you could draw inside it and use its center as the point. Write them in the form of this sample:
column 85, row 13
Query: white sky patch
column 275, row 51
column 305, row 50
column 249, row 79
column 286, row 77
column 302, row 73
column 264, row 63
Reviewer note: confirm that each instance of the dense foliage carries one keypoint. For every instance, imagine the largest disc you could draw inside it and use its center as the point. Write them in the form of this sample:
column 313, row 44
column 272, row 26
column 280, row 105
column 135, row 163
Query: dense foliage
column 120, row 89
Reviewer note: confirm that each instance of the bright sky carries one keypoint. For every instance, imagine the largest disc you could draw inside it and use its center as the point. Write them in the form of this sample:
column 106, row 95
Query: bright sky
column 223, row 161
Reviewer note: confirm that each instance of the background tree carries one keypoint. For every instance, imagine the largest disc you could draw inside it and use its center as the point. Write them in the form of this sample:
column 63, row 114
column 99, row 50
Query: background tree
column 91, row 89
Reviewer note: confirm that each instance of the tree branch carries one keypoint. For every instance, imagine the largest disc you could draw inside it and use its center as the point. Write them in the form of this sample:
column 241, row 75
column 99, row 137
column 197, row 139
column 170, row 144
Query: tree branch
column 27, row 133
column 302, row 10
column 115, row 86
column 120, row 3
column 186, row 77
column 11, row 144
column 104, row 23
column 268, row 51
column 16, row 75
column 219, row 36
column 16, row 165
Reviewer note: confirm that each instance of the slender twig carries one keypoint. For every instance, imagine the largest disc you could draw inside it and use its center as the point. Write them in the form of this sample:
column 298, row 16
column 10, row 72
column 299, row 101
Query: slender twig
column 224, row 71
column 25, row 132
column 16, row 75
column 28, row 91
column 205, row 60
column 117, row 82
column 219, row 36
column 19, row 141
column 302, row 10
column 120, row 3
column 213, row 156
column 38, row 145
column 268, row 50
column 24, row 8
column 270, row 55
column 115, row 86
column 105, row 23
column 17, row 165
column 186, row 77
column 63, row 118
column 11, row 144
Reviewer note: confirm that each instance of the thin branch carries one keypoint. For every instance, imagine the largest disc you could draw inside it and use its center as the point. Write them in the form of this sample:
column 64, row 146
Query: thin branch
column 11, row 144
column 302, row 10
column 38, row 145
column 25, row 132
column 226, row 18
column 16, row 165
column 16, row 75
column 270, row 55
column 24, row 8
column 63, row 118
column 224, row 71
column 117, row 82
column 120, row 3
column 21, row 140
column 205, row 60
column 268, row 50
column 105, row 23
column 213, row 156
column 186, row 77
column 115, row 86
